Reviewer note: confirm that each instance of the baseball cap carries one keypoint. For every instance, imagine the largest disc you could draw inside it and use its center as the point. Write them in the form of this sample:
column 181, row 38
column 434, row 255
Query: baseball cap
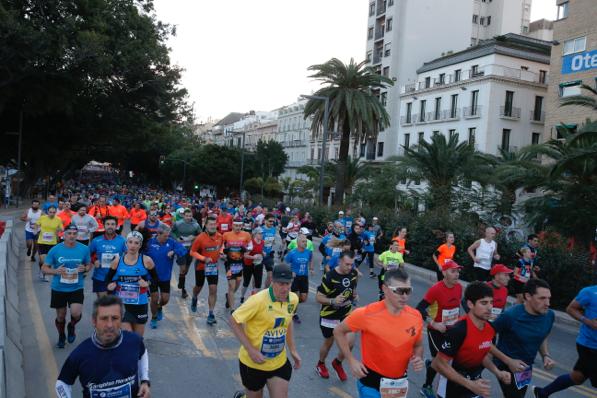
column 340, row 212
column 71, row 227
column 450, row 264
column 304, row 231
column 282, row 273
column 498, row 268
column 375, row 218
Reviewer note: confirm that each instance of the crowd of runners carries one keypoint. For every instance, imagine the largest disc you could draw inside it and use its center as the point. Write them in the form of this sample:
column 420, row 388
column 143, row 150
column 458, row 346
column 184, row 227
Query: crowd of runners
column 127, row 239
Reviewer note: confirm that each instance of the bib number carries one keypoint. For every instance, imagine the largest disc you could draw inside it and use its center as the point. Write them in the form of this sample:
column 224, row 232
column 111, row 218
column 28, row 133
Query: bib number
column 495, row 312
column 272, row 346
column 211, row 269
column 236, row 268
column 224, row 227
column 129, row 293
column 523, row 379
column 329, row 323
column 107, row 259
column 258, row 259
column 449, row 317
column 114, row 392
column 269, row 242
column 393, row 388
column 393, row 265
column 48, row 236
column 70, row 277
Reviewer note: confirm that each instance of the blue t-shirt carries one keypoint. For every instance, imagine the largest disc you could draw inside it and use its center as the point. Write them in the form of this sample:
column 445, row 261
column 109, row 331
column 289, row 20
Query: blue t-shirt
column 299, row 261
column 587, row 298
column 347, row 222
column 159, row 254
column 105, row 372
column 71, row 258
column 269, row 238
column 105, row 250
column 328, row 250
column 368, row 238
column 521, row 334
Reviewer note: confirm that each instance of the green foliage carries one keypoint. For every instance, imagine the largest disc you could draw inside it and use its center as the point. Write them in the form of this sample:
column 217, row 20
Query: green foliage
column 271, row 158
column 587, row 101
column 355, row 109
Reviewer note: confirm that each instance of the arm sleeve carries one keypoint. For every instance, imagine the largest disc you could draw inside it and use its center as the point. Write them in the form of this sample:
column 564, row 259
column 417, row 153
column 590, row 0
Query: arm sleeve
column 66, row 378
column 422, row 308
column 452, row 340
column 110, row 275
column 143, row 365
column 356, row 320
column 322, row 249
column 63, row 390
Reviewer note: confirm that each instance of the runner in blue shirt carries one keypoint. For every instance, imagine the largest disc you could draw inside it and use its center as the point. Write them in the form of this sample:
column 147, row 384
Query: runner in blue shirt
column 368, row 237
column 269, row 239
column 326, row 251
column 68, row 262
column 584, row 309
column 111, row 363
column 104, row 249
column 301, row 263
column 161, row 249
column 523, row 330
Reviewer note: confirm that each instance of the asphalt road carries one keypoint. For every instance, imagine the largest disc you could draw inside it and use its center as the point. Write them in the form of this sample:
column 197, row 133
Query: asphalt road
column 190, row 359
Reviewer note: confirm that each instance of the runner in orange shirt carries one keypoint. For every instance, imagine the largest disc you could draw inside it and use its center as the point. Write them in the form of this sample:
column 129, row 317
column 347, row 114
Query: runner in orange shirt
column 137, row 214
column 235, row 244
column 99, row 211
column 400, row 237
column 390, row 324
column 119, row 211
column 65, row 215
column 443, row 253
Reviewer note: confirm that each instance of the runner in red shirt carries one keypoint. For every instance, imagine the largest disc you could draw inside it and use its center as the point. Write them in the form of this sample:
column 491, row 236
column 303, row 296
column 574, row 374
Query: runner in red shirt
column 441, row 305
column 253, row 264
column 499, row 283
column 464, row 347
column 224, row 221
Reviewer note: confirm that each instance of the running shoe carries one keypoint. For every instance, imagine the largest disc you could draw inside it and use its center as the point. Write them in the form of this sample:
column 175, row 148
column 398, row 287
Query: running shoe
column 296, row 318
column 242, row 299
column 226, row 300
column 427, row 392
column 28, row 251
column 240, row 394
column 61, row 341
column 160, row 315
column 211, row 319
column 337, row 365
column 42, row 277
column 194, row 304
column 184, row 294
column 372, row 275
column 33, row 258
column 153, row 323
column 535, row 392
column 322, row 370
column 70, row 328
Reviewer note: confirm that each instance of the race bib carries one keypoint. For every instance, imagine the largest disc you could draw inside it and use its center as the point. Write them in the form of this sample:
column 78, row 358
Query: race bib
column 393, row 265
column 393, row 388
column 372, row 240
column 211, row 269
column 129, row 293
column 449, row 317
column 236, row 268
column 33, row 226
column 224, row 227
column 106, row 259
column 258, row 259
column 523, row 379
column 48, row 236
column 337, row 250
column 187, row 240
column 273, row 343
column 495, row 312
column 70, row 277
column 113, row 392
column 269, row 241
column 329, row 323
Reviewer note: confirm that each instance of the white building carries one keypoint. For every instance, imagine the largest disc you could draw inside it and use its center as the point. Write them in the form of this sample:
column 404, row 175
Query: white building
column 402, row 34
column 492, row 95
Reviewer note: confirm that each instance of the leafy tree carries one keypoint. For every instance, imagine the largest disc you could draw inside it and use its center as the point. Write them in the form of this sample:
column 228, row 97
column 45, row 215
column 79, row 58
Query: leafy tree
column 355, row 170
column 355, row 109
column 271, row 158
column 378, row 187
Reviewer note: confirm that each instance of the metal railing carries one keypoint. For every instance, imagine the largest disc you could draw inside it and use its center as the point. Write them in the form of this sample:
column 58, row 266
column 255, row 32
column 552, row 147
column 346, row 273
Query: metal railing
column 472, row 111
column 509, row 112
column 537, row 116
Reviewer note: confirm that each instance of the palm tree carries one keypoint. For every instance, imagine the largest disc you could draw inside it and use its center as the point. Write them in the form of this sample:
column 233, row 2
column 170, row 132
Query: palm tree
column 355, row 109
column 355, row 170
column 442, row 163
column 588, row 101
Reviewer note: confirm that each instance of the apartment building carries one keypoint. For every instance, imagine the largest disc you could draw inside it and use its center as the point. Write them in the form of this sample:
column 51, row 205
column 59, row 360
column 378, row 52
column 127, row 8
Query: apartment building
column 402, row 34
column 492, row 95
column 573, row 62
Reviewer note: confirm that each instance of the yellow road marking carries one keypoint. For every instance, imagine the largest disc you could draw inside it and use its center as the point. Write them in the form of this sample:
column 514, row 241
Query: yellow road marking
column 41, row 333
column 339, row 393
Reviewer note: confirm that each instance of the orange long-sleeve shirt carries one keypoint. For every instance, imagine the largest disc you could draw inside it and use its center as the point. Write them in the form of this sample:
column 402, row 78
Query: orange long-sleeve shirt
column 137, row 215
column 120, row 212
column 205, row 246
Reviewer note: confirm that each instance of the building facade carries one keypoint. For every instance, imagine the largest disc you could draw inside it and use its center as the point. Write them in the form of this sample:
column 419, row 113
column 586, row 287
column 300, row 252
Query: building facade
column 573, row 62
column 491, row 95
column 402, row 34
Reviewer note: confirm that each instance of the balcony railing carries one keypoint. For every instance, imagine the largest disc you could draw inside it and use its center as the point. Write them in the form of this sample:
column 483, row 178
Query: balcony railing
column 380, row 32
column 537, row 117
column 381, row 7
column 472, row 111
column 510, row 148
column 509, row 112
column 406, row 120
column 377, row 57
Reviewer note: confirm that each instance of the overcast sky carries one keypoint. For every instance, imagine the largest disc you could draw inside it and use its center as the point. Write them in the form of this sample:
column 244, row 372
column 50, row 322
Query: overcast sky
column 242, row 55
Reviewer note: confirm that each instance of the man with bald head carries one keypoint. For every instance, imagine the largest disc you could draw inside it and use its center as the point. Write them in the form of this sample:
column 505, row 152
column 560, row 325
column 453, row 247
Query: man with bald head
column 483, row 252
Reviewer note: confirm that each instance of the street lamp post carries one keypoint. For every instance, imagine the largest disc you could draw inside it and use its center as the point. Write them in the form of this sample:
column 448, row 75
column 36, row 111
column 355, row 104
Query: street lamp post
column 20, row 145
column 326, row 116
column 184, row 168
column 242, row 165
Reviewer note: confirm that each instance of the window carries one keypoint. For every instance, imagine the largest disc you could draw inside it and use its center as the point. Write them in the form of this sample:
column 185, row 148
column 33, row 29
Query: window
column 506, row 139
column 421, row 137
column 427, row 82
column 538, row 108
column 508, row 103
column 562, row 11
column 535, row 138
column 543, row 76
column 370, row 33
column 475, row 18
column 475, row 70
column 438, row 105
column 407, row 140
column 369, row 54
column 371, row 9
column 451, row 133
column 435, row 132
column 575, row 45
column 570, row 88
column 457, row 74
column 389, row 24
column 482, row 21
column 409, row 109
column 386, row 71
column 472, row 131
column 387, row 49
column 474, row 102
column 312, row 153
column 363, row 149
column 422, row 111
column 384, row 98
column 454, row 106
column 442, row 78
column 336, row 152
column 489, row 20
column 380, row 149
column 390, row 3
column 525, row 29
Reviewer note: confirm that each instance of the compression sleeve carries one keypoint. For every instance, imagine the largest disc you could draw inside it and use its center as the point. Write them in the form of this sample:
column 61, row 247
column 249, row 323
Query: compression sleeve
column 110, row 275
column 143, row 366
column 322, row 249
column 154, row 274
column 63, row 390
column 422, row 308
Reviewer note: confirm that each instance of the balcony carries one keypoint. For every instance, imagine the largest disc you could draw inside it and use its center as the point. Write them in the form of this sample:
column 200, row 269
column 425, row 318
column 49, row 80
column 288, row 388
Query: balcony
column 381, row 7
column 511, row 113
column 380, row 32
column 509, row 149
column 537, row 117
column 471, row 112
column 406, row 120
column 377, row 57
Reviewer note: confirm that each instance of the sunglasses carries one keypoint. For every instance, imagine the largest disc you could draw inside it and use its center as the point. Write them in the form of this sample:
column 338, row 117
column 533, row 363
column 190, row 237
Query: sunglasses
column 400, row 291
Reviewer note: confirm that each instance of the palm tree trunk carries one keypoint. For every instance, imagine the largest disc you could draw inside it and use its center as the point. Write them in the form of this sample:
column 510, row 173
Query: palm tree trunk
column 341, row 165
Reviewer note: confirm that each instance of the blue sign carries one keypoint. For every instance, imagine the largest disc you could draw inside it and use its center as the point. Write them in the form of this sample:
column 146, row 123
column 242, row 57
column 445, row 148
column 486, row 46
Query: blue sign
column 580, row 62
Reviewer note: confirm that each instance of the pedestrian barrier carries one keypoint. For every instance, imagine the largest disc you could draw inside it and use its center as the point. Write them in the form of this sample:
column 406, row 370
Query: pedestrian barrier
column 12, row 376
